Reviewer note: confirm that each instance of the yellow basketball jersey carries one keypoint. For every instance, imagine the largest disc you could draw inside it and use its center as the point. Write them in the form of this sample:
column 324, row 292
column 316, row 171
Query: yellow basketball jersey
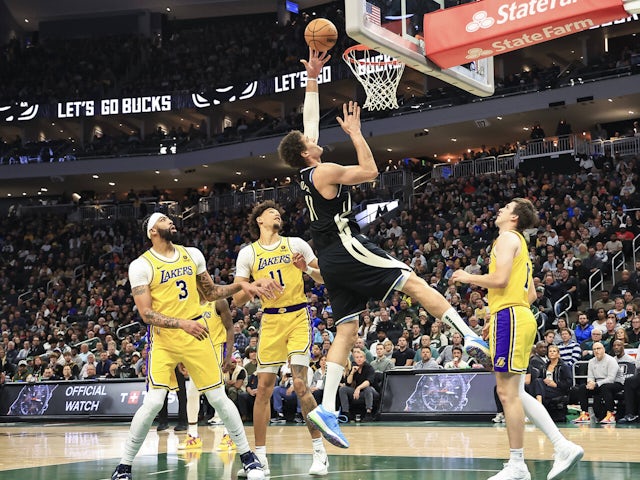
column 516, row 291
column 217, row 332
column 277, row 264
column 173, row 287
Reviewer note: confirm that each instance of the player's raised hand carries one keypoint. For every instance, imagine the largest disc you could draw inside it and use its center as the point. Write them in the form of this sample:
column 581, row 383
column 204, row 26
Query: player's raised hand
column 195, row 329
column 315, row 63
column 350, row 122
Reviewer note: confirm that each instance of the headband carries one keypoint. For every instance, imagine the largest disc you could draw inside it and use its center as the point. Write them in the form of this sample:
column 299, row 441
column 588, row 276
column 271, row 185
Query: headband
column 153, row 219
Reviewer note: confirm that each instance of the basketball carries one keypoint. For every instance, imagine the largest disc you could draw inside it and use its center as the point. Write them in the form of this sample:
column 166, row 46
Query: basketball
column 321, row 35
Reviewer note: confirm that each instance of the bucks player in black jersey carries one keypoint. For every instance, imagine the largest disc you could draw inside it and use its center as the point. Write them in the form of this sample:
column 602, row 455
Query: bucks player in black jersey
column 354, row 269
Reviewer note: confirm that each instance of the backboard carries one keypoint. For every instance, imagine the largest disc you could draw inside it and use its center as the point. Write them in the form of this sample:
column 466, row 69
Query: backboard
column 394, row 28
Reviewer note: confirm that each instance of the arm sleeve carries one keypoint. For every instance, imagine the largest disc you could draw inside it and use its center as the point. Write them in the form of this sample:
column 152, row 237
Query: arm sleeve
column 299, row 245
column 140, row 272
column 198, row 258
column 244, row 262
column 311, row 115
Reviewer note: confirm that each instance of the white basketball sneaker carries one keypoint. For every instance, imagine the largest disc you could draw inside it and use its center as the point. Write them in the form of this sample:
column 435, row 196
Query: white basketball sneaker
column 320, row 465
column 566, row 457
column 512, row 471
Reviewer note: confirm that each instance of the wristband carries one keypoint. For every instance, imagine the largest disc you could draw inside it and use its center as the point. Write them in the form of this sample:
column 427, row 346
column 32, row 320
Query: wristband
column 309, row 270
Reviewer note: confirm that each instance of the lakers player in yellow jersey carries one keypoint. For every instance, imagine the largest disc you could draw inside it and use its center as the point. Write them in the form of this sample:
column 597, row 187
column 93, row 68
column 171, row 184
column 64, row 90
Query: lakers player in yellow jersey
column 512, row 332
column 166, row 282
column 285, row 330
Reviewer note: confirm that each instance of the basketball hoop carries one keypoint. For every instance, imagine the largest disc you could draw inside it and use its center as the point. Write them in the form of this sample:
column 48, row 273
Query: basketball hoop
column 378, row 74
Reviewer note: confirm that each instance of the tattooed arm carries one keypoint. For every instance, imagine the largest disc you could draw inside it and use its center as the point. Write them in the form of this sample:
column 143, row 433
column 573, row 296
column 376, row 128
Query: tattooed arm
column 268, row 288
column 142, row 298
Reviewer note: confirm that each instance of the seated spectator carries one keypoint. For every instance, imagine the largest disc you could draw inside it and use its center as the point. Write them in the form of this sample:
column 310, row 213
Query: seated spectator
column 90, row 372
column 425, row 341
column 556, row 378
column 475, row 325
column 632, row 396
column 587, row 345
column 358, row 385
column 438, row 339
column 611, row 327
column 570, row 351
column 317, row 381
column 539, row 358
column 361, row 345
column 561, row 324
column 104, row 365
column 402, row 356
column 583, row 328
column 48, row 375
column 6, row 366
column 604, row 379
column 457, row 361
column 235, row 380
column 604, row 301
column 114, row 371
column 381, row 363
column 426, row 361
column 543, row 304
column 67, row 373
column 600, row 322
column 618, row 310
column 633, row 333
column 446, row 355
column 22, row 373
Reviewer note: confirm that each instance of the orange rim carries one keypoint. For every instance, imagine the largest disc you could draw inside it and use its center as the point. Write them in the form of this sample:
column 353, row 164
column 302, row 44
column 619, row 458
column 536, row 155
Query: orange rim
column 363, row 48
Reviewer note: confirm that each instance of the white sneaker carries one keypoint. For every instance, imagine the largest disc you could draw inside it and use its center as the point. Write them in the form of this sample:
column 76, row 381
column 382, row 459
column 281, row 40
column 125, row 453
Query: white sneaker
column 512, row 471
column 265, row 467
column 215, row 420
column 565, row 458
column 499, row 418
column 320, row 465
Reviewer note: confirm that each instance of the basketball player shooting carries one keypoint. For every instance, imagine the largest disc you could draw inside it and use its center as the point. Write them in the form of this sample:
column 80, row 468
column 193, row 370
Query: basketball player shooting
column 354, row 269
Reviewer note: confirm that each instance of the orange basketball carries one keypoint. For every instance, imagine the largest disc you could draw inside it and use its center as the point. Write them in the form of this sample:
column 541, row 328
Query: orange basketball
column 321, row 34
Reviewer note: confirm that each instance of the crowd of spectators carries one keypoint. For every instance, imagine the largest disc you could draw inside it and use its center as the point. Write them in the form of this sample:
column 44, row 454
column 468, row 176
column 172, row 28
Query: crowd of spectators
column 64, row 292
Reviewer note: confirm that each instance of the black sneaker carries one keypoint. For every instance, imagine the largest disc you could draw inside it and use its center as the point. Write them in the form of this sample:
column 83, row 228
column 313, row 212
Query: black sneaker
column 279, row 419
column 181, row 427
column 368, row 417
column 162, row 426
column 122, row 472
column 628, row 419
column 298, row 418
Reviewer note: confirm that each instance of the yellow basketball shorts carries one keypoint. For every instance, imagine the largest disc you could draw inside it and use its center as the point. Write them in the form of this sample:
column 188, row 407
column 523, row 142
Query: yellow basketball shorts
column 283, row 335
column 169, row 347
column 512, row 333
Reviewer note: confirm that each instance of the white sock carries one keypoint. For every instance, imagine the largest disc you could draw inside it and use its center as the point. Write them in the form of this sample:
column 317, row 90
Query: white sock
column 539, row 416
column 261, row 450
column 516, row 455
column 331, row 384
column 193, row 429
column 141, row 423
column 228, row 412
column 318, row 445
column 452, row 318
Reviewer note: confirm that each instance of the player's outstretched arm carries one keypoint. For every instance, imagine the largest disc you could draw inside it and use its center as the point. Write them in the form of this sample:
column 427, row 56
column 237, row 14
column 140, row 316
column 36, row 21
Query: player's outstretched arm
column 311, row 110
column 211, row 292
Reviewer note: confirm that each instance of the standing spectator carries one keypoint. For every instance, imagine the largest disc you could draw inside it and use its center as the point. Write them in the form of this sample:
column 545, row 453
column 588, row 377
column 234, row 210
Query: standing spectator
column 604, row 379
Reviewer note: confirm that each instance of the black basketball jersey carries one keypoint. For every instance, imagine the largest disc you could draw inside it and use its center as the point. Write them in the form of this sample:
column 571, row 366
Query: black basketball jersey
column 329, row 218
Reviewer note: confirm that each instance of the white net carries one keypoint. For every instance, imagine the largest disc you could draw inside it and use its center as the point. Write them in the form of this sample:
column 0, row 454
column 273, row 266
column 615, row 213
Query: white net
column 379, row 75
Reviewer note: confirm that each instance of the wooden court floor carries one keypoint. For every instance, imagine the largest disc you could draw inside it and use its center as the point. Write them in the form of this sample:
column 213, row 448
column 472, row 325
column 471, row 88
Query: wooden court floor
column 379, row 451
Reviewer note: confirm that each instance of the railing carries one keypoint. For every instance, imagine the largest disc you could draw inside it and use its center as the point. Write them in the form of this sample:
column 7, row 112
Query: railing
column 128, row 329
column 481, row 166
column 78, row 270
column 635, row 246
column 547, row 147
column 126, row 211
column 615, row 147
column 26, row 296
column 596, row 280
column 560, row 309
column 617, row 263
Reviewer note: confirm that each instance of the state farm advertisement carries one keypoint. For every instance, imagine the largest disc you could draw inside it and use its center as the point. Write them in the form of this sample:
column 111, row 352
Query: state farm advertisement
column 492, row 27
column 108, row 398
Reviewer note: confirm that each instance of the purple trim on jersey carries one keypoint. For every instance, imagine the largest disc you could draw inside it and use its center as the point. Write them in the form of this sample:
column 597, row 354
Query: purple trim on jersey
column 503, row 329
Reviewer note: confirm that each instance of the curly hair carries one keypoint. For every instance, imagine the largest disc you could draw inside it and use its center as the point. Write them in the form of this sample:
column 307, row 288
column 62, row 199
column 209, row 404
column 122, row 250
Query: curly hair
column 291, row 148
column 258, row 210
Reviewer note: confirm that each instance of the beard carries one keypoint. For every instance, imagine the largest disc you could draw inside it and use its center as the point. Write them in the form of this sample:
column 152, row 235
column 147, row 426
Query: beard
column 169, row 236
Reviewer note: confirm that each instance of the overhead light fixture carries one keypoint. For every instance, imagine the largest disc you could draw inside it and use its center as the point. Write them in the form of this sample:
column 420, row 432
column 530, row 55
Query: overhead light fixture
column 24, row 194
column 454, row 139
column 96, row 176
column 8, row 194
column 112, row 184
column 175, row 179
column 238, row 173
column 168, row 9
column 42, row 189
column 205, row 166
column 389, row 149
column 610, row 99
column 26, row 20
column 157, row 172
column 499, row 118
column 75, row 197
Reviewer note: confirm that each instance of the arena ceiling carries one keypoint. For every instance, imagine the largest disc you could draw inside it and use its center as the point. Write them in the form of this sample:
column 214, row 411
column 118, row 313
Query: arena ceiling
column 502, row 126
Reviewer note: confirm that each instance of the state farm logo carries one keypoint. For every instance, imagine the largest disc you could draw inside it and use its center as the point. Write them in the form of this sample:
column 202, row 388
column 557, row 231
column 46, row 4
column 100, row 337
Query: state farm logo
column 510, row 12
column 476, row 53
column 480, row 20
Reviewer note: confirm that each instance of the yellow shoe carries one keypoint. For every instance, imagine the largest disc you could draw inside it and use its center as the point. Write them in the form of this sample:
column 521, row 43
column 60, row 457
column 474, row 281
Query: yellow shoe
column 226, row 444
column 190, row 443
